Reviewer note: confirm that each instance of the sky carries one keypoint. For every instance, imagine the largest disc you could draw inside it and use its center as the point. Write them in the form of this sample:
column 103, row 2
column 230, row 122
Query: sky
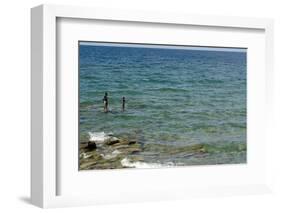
column 202, row 48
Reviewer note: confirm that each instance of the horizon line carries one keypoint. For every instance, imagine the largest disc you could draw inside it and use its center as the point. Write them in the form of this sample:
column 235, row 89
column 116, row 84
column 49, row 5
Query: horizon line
column 164, row 46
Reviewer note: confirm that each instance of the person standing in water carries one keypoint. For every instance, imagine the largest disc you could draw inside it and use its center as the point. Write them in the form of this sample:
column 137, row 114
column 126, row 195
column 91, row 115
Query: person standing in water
column 123, row 103
column 105, row 102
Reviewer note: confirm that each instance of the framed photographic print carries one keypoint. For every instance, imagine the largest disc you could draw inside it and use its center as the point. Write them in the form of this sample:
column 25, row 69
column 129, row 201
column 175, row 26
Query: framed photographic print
column 154, row 106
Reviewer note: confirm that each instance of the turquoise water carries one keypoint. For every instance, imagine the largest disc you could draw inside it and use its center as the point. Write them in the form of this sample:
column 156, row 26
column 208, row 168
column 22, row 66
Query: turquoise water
column 174, row 98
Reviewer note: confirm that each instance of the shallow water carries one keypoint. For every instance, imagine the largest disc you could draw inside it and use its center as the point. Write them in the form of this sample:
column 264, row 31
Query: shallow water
column 174, row 98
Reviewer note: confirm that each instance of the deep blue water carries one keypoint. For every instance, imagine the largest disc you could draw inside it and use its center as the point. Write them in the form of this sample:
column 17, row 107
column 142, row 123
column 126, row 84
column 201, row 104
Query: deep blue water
column 174, row 97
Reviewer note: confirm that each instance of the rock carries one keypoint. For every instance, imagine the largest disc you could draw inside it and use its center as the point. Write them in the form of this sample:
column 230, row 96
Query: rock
column 120, row 146
column 136, row 158
column 132, row 142
column 107, row 154
column 132, row 149
column 124, row 141
column 110, row 134
column 91, row 145
column 86, row 165
column 112, row 140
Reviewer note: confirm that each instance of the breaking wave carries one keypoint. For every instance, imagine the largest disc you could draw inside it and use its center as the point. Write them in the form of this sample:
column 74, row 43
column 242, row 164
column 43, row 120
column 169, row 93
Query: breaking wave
column 99, row 136
column 142, row 165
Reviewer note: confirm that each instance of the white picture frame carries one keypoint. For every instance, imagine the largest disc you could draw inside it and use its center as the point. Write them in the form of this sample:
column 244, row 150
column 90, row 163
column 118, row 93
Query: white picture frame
column 44, row 150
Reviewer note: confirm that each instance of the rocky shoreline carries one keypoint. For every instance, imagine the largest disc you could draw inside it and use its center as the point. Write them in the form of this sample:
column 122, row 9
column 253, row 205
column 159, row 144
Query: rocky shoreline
column 109, row 153
column 128, row 152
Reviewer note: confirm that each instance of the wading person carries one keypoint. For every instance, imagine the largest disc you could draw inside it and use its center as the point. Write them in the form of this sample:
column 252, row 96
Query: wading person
column 123, row 103
column 105, row 102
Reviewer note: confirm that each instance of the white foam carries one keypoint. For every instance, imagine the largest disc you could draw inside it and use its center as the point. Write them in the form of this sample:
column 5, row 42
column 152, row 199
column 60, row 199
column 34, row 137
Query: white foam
column 116, row 152
column 84, row 155
column 141, row 165
column 112, row 155
column 99, row 136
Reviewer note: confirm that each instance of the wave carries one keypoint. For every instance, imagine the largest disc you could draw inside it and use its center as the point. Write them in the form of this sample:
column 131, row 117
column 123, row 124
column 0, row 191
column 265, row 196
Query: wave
column 99, row 136
column 142, row 165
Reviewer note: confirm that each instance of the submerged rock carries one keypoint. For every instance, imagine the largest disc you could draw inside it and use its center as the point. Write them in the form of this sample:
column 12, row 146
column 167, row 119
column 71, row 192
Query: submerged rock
column 91, row 145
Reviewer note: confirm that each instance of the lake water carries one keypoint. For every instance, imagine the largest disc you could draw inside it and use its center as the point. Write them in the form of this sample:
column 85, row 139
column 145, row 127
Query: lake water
column 174, row 98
